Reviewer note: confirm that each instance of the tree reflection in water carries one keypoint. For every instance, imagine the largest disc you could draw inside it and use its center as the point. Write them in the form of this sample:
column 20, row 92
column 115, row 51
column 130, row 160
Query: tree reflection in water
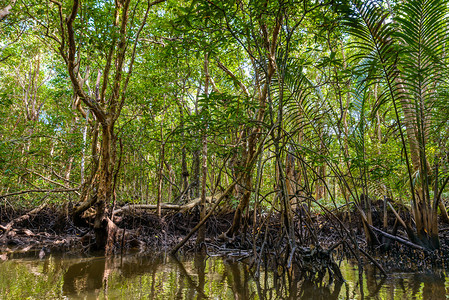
column 199, row 277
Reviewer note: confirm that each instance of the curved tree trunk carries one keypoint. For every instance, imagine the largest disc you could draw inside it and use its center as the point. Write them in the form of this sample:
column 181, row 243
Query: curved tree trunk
column 106, row 105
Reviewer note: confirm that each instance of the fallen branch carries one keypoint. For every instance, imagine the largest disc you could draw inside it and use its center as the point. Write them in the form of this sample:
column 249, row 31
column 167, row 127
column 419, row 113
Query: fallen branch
column 181, row 208
column 22, row 218
column 398, row 239
column 408, row 229
column 79, row 209
column 152, row 206
column 39, row 191
column 195, row 229
column 177, row 199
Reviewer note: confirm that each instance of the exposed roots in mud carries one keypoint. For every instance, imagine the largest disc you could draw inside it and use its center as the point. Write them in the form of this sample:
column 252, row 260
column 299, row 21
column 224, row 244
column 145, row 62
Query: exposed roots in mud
column 320, row 243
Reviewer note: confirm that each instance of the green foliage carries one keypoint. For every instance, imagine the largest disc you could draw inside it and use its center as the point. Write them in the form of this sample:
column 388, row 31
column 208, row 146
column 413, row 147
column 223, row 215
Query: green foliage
column 336, row 100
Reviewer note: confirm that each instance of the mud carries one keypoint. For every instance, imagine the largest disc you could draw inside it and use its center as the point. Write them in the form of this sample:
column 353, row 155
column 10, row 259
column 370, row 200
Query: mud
column 52, row 229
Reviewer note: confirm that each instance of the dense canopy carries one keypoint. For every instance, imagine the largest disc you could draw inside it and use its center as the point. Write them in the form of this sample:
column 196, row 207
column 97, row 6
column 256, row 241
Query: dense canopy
column 254, row 107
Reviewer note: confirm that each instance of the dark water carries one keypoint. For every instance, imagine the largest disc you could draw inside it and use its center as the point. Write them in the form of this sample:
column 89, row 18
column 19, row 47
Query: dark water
column 163, row 277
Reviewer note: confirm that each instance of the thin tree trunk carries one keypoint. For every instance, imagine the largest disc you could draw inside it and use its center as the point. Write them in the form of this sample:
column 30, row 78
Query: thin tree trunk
column 83, row 153
column 196, row 157
column 201, row 231
column 320, row 186
column 184, row 171
column 160, row 177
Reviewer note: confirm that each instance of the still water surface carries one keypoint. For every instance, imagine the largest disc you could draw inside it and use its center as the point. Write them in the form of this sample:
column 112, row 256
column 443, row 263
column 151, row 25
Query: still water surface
column 164, row 277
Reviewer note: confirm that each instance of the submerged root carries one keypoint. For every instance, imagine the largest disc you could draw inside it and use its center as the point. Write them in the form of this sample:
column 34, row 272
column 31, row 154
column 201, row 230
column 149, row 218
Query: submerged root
column 262, row 243
column 315, row 262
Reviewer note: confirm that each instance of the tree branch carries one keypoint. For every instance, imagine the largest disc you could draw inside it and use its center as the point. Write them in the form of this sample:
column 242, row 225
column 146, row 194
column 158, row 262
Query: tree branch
column 71, row 64
column 184, row 207
column 232, row 75
column 397, row 239
column 39, row 191
column 50, row 180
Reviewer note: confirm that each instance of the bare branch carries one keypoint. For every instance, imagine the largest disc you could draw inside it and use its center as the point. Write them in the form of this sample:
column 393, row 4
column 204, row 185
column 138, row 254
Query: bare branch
column 184, row 207
column 22, row 218
column 39, row 191
column 50, row 180
column 230, row 74
column 71, row 65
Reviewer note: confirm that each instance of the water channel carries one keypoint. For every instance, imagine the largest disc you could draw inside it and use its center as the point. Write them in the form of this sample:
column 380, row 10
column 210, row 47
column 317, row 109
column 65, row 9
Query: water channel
column 139, row 276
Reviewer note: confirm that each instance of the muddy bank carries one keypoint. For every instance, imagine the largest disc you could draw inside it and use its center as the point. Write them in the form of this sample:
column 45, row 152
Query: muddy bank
column 52, row 229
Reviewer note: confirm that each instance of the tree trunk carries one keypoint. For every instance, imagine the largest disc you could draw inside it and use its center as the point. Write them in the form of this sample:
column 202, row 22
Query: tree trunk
column 113, row 80
column 202, row 230
column 291, row 178
column 104, row 230
column 184, row 171
column 196, row 157
column 83, row 153
column 424, row 210
column 321, row 170
column 195, row 192
column 243, row 204
column 160, row 177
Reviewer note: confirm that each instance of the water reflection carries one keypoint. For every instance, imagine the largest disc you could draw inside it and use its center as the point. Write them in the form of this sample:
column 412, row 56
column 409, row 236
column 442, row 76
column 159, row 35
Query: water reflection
column 163, row 277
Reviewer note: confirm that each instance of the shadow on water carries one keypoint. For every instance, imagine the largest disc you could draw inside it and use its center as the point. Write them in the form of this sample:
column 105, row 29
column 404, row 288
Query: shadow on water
column 163, row 277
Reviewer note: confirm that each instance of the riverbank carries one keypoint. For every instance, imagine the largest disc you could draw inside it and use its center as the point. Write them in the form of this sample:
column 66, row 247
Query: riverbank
column 52, row 230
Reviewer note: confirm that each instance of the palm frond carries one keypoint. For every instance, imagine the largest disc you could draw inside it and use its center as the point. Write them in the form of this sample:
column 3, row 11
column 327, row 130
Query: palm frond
column 423, row 36
column 359, row 107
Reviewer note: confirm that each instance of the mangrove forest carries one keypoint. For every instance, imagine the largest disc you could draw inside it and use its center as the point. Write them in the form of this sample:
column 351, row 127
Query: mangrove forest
column 292, row 136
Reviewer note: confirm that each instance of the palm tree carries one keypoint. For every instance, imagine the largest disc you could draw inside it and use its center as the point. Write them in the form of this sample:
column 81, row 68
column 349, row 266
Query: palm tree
column 402, row 50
